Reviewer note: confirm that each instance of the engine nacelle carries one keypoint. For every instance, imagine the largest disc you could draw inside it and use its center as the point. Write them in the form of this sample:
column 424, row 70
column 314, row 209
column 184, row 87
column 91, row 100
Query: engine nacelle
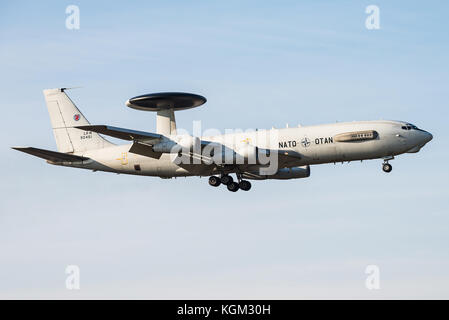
column 282, row 174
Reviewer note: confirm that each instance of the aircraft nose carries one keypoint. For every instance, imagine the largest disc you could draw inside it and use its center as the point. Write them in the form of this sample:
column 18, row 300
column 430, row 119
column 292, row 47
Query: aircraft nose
column 428, row 136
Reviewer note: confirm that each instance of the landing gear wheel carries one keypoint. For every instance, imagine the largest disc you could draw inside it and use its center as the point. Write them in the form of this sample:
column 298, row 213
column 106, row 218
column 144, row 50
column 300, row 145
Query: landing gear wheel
column 233, row 186
column 245, row 185
column 387, row 167
column 214, row 181
column 226, row 179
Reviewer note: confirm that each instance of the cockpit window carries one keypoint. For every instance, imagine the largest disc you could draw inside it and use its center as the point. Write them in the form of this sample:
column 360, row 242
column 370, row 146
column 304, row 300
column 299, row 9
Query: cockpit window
column 409, row 127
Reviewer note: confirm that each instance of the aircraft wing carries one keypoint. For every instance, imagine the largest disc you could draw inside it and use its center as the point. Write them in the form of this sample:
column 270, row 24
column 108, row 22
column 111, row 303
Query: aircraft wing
column 121, row 133
column 52, row 156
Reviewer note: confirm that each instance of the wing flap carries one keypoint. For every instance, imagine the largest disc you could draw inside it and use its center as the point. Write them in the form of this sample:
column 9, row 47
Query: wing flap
column 51, row 155
column 121, row 133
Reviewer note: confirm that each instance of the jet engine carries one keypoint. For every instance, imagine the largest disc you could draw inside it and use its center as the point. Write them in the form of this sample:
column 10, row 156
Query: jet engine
column 281, row 174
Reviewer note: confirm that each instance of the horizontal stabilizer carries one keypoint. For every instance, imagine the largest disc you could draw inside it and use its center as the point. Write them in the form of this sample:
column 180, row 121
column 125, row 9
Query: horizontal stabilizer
column 121, row 133
column 52, row 156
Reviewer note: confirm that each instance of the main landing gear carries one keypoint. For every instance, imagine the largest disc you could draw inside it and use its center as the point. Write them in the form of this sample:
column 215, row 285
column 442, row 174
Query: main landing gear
column 214, row 181
column 386, row 167
column 229, row 182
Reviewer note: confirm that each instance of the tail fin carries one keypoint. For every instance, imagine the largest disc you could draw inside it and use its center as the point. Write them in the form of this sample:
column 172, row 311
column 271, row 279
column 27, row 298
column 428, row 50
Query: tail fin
column 64, row 116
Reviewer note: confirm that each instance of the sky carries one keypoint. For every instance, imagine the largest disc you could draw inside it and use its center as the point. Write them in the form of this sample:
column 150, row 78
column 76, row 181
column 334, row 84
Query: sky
column 259, row 64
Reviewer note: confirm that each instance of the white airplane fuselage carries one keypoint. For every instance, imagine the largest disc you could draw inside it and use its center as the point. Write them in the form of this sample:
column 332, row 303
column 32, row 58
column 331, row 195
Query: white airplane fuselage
column 316, row 145
column 262, row 154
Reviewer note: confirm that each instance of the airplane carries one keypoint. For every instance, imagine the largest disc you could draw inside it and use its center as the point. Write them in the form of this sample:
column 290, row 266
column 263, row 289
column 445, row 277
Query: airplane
column 281, row 154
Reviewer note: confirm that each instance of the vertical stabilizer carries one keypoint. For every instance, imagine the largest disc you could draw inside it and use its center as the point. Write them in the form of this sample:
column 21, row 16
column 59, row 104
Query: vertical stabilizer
column 64, row 116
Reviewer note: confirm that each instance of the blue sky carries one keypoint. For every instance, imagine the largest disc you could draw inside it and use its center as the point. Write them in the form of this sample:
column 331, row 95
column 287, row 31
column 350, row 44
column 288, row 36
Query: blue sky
column 259, row 65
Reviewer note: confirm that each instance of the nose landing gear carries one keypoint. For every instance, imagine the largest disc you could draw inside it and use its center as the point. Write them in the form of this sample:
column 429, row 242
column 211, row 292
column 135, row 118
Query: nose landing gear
column 227, row 180
column 386, row 167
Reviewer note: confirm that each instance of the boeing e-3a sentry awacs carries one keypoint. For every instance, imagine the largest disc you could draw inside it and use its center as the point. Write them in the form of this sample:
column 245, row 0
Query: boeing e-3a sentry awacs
column 285, row 153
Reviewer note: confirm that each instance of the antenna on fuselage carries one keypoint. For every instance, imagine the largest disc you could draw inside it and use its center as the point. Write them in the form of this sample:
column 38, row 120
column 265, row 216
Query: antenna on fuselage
column 165, row 104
